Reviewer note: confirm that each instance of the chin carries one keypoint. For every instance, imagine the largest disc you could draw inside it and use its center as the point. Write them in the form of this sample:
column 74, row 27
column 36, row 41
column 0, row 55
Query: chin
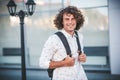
column 71, row 30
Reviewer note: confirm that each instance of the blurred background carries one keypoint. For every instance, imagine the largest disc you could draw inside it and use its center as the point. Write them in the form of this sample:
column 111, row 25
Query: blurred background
column 101, row 33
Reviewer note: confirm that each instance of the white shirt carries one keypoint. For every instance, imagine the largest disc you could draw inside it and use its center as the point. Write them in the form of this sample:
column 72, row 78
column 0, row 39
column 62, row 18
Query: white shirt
column 54, row 50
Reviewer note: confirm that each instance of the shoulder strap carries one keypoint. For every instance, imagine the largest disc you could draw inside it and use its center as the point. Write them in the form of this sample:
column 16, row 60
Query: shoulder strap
column 66, row 45
column 65, row 42
column 78, row 43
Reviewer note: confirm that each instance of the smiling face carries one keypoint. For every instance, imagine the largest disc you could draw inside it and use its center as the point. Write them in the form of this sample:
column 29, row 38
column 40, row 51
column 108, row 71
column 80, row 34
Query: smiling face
column 69, row 23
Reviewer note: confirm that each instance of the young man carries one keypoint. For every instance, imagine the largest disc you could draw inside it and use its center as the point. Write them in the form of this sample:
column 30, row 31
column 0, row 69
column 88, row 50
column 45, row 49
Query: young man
column 54, row 56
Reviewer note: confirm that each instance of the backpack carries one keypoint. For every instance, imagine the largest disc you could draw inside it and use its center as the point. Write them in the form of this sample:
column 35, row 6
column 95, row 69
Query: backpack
column 67, row 48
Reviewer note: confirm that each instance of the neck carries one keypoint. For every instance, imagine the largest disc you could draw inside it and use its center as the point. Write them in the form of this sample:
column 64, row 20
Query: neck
column 70, row 32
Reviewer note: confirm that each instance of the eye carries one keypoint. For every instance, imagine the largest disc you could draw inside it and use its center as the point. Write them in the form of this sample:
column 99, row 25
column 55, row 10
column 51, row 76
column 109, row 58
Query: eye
column 73, row 18
column 66, row 19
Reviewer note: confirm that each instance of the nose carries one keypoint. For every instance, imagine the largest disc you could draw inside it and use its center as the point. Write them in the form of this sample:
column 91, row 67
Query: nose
column 70, row 21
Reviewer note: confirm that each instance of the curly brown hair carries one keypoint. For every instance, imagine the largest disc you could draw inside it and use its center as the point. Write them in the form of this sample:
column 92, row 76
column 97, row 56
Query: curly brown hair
column 69, row 10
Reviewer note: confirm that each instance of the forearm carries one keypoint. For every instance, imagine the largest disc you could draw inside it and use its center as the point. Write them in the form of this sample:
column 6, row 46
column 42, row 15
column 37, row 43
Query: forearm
column 56, row 64
column 67, row 62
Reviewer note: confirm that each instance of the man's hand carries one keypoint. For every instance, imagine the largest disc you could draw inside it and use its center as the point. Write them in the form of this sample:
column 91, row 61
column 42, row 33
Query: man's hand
column 69, row 61
column 82, row 57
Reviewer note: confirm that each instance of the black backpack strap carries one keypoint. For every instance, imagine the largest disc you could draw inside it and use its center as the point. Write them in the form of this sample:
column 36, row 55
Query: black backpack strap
column 78, row 43
column 65, row 42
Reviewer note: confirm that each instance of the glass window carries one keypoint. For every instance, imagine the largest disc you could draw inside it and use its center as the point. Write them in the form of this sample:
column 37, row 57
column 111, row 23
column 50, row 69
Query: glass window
column 96, row 34
column 9, row 38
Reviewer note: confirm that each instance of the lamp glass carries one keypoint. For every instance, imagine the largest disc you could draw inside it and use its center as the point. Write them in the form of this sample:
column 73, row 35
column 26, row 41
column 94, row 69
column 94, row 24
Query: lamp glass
column 30, row 5
column 11, row 7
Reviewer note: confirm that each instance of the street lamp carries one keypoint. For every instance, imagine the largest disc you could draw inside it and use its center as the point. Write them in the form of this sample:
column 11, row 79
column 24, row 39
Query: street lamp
column 30, row 6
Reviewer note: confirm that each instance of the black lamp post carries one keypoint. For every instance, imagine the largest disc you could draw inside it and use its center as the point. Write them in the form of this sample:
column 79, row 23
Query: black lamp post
column 30, row 6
